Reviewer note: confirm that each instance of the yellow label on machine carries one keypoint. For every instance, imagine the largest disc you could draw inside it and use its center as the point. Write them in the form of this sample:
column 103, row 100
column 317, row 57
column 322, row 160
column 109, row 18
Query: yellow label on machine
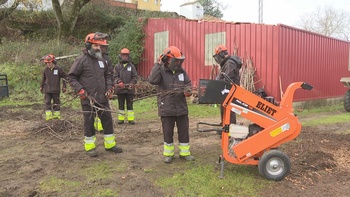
column 276, row 132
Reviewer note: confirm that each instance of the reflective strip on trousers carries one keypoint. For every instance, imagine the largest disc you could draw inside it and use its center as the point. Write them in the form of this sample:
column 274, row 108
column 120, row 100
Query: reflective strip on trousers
column 57, row 114
column 109, row 141
column 89, row 143
column 184, row 149
column 98, row 124
column 168, row 149
column 121, row 115
column 131, row 115
column 48, row 115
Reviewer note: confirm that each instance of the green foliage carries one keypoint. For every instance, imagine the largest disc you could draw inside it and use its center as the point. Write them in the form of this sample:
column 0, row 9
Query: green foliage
column 212, row 8
column 23, row 81
column 130, row 36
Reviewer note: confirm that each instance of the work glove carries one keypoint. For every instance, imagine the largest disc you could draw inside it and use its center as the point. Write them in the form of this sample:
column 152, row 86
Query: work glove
column 64, row 90
column 131, row 86
column 121, row 85
column 187, row 92
column 82, row 94
column 109, row 93
column 41, row 90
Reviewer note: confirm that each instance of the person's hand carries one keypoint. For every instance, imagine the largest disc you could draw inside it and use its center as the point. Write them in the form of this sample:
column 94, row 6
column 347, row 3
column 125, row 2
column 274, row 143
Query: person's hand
column 131, row 86
column 64, row 90
column 82, row 94
column 109, row 93
column 41, row 90
column 187, row 92
column 121, row 85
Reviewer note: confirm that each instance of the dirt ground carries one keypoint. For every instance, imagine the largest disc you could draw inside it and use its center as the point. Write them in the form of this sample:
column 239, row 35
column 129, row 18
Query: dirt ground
column 32, row 149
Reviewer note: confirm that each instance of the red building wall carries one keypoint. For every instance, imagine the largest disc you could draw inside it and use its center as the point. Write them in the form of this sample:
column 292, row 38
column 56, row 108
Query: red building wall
column 277, row 51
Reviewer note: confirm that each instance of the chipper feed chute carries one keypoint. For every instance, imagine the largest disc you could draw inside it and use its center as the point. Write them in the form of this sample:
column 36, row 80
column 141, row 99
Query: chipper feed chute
column 272, row 126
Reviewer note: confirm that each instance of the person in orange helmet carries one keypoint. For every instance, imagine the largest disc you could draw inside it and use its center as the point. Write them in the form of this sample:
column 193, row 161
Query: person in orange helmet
column 230, row 66
column 90, row 78
column 173, row 85
column 125, row 76
column 50, row 86
column 107, row 58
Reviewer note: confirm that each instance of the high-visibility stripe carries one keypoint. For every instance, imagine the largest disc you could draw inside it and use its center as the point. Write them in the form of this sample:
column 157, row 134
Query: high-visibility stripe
column 184, row 149
column 121, row 115
column 89, row 143
column 48, row 115
column 131, row 115
column 98, row 124
column 109, row 141
column 57, row 114
column 168, row 150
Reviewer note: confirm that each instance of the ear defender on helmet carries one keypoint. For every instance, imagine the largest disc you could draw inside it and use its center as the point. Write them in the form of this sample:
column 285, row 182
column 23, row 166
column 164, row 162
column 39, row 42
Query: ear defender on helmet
column 164, row 57
column 48, row 59
column 96, row 38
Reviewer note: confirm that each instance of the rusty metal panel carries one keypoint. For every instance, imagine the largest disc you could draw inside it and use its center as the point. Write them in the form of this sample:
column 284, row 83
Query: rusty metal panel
column 281, row 54
column 319, row 60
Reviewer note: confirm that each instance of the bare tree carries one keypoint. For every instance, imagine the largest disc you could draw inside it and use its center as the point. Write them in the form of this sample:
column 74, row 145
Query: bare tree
column 6, row 11
column 327, row 21
column 66, row 16
column 213, row 8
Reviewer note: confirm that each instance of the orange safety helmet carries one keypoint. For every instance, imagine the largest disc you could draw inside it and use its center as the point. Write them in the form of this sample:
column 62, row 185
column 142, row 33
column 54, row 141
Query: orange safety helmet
column 172, row 52
column 124, row 51
column 219, row 49
column 96, row 38
column 105, row 43
column 48, row 58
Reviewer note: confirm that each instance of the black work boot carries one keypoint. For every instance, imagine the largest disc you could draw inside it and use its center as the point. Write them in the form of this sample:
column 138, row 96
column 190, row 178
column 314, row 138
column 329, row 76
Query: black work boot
column 115, row 149
column 120, row 121
column 92, row 153
column 131, row 122
column 168, row 159
column 187, row 158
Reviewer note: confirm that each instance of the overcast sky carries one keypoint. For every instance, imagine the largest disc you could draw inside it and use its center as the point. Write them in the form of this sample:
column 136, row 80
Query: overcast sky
column 274, row 11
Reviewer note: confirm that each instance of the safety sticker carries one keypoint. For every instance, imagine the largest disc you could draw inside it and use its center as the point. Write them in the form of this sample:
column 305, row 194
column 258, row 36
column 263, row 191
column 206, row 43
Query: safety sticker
column 55, row 72
column 101, row 64
column 279, row 130
column 181, row 77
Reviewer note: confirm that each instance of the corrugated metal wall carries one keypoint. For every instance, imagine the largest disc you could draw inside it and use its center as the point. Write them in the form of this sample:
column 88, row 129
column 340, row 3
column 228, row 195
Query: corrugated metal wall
column 278, row 52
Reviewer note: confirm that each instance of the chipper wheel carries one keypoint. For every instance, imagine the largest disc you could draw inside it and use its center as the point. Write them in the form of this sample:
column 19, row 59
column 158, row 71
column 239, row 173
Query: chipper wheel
column 274, row 165
column 347, row 101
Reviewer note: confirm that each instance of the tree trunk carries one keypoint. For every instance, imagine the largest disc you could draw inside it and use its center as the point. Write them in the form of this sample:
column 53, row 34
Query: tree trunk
column 66, row 22
column 5, row 12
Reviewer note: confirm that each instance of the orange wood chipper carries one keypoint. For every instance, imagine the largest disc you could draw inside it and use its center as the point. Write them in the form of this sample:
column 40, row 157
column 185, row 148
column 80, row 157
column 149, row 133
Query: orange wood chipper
column 272, row 125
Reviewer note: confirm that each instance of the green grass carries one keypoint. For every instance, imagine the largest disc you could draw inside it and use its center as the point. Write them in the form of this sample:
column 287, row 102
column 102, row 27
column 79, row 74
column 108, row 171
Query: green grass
column 203, row 181
column 54, row 184
column 339, row 118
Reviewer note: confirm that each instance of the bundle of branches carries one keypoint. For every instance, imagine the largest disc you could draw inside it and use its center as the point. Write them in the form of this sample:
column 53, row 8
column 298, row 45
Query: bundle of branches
column 144, row 89
column 61, row 128
column 247, row 75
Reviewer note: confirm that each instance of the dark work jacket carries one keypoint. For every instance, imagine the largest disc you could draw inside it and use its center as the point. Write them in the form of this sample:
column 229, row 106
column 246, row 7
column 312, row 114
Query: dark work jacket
column 92, row 75
column 127, row 74
column 110, row 66
column 51, row 79
column 170, row 85
column 231, row 69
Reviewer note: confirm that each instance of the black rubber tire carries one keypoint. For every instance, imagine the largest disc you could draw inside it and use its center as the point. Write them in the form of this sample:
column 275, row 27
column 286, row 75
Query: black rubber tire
column 347, row 101
column 274, row 165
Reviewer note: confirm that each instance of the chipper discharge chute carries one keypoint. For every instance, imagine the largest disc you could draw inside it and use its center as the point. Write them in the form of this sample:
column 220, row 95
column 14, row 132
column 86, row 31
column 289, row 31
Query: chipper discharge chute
column 256, row 144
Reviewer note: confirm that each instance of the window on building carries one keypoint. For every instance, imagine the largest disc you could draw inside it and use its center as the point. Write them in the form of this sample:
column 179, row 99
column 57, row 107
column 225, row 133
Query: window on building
column 156, row 2
column 146, row 0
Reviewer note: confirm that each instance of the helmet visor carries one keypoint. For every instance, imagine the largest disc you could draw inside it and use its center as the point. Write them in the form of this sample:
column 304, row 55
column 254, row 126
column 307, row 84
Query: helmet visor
column 175, row 63
column 218, row 58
